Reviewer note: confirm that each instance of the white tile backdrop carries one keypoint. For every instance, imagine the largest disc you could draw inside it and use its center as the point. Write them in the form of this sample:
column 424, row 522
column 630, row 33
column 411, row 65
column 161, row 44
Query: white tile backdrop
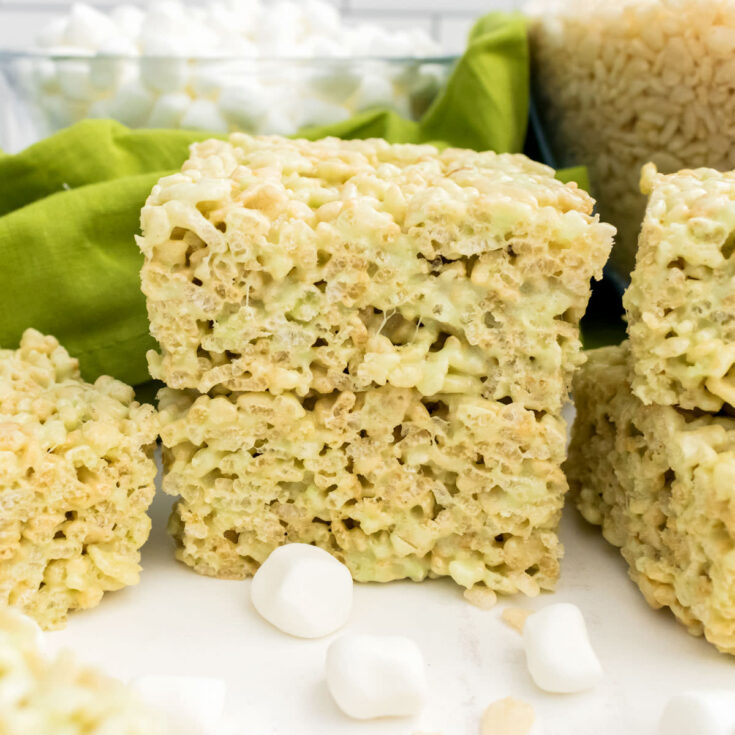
column 447, row 20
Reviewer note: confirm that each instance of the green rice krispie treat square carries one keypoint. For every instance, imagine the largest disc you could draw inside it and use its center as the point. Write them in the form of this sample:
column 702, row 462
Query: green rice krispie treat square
column 76, row 479
column 661, row 482
column 681, row 301
column 298, row 266
column 393, row 483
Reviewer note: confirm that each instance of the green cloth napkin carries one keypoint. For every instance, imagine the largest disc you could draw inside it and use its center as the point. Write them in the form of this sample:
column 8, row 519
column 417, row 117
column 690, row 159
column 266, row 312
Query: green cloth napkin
column 70, row 205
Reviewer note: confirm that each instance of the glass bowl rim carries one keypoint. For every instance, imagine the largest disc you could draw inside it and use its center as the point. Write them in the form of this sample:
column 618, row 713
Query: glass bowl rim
column 15, row 54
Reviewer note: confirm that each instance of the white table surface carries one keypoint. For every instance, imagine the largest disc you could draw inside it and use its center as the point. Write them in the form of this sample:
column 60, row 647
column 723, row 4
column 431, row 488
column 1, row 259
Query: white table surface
column 177, row 622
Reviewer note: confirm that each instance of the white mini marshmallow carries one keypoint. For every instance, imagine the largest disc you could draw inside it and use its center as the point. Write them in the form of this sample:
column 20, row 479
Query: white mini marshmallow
column 336, row 83
column 53, row 33
column 314, row 112
column 87, row 27
column 168, row 110
column 303, row 590
column 44, row 75
column 128, row 19
column 204, row 115
column 700, row 712
column 75, row 81
column 321, row 17
column 163, row 75
column 245, row 104
column 192, row 705
column 276, row 122
column 375, row 90
column 559, row 655
column 62, row 111
column 131, row 105
column 376, row 676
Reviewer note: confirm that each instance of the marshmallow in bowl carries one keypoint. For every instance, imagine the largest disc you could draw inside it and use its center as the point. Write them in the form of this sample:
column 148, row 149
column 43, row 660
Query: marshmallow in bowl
column 191, row 705
column 373, row 676
column 559, row 654
column 303, row 591
column 168, row 110
column 172, row 48
column 87, row 27
column 699, row 712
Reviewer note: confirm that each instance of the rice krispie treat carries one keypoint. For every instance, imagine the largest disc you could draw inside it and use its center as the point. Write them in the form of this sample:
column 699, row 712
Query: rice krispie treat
column 393, row 483
column 42, row 696
column 76, row 479
column 681, row 301
column 296, row 266
column 661, row 483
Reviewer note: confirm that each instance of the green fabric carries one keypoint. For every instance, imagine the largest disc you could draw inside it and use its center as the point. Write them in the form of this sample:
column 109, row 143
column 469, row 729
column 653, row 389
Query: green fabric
column 70, row 205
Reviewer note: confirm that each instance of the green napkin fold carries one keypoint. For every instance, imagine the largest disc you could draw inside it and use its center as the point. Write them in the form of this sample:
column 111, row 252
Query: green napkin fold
column 70, row 205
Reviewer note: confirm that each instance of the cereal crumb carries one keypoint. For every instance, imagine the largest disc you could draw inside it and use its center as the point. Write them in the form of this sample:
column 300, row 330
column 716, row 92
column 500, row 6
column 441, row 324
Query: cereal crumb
column 508, row 716
column 482, row 597
column 515, row 617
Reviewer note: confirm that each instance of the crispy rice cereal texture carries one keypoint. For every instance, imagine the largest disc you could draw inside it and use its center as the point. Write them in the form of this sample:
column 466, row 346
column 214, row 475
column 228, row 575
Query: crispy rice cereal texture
column 42, row 696
column 661, row 483
column 76, row 479
column 681, row 302
column 624, row 82
column 295, row 266
column 393, row 483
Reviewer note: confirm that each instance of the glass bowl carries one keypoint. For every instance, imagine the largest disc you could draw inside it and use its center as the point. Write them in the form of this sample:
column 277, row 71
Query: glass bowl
column 41, row 92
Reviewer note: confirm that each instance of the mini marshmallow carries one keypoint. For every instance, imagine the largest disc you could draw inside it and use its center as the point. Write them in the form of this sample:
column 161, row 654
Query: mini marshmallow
column 53, row 33
column 192, row 705
column 168, row 110
column 276, row 122
column 303, row 591
column 510, row 716
column 700, row 712
column 131, row 105
column 62, row 112
column 559, row 655
column 314, row 112
column 375, row 90
column 337, row 83
column 87, row 27
column 321, row 17
column 204, row 115
column 163, row 75
column 74, row 80
column 376, row 676
column 44, row 75
column 128, row 19
column 245, row 104
column 207, row 78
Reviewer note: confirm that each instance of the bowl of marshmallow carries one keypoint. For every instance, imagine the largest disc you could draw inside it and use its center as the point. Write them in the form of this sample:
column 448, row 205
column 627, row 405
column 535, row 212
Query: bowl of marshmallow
column 258, row 67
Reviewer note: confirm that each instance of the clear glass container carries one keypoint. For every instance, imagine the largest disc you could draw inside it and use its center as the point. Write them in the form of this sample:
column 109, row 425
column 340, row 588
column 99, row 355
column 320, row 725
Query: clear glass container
column 41, row 93
column 619, row 84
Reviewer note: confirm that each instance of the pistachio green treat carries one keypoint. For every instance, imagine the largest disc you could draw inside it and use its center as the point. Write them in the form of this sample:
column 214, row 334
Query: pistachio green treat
column 392, row 483
column 76, row 480
column 681, row 301
column 661, row 482
column 288, row 265
column 384, row 336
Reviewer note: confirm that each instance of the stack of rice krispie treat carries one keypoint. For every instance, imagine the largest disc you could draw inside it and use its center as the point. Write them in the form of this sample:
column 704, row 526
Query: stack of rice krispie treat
column 76, row 480
column 367, row 348
column 652, row 458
